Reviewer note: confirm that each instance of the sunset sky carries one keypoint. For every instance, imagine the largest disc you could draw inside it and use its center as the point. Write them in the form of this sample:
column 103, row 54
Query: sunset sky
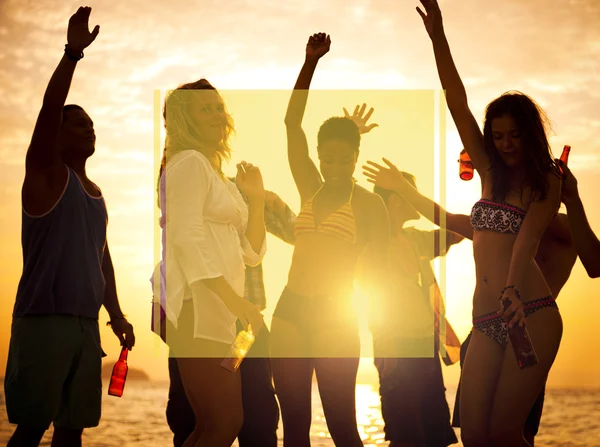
column 252, row 52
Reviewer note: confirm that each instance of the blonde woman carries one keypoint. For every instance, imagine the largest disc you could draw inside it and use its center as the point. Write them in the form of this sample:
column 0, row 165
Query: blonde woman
column 209, row 234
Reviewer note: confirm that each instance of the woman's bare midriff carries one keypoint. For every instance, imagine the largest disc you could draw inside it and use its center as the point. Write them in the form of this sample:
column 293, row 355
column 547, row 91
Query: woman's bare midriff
column 322, row 265
column 493, row 253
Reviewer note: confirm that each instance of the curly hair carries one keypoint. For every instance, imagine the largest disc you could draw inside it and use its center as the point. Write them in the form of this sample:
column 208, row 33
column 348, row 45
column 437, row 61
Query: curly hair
column 340, row 128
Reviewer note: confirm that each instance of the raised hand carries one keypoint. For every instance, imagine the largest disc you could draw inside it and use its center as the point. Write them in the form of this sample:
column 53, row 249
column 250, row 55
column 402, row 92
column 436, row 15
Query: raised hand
column 361, row 122
column 249, row 181
column 387, row 178
column 432, row 18
column 317, row 46
column 78, row 33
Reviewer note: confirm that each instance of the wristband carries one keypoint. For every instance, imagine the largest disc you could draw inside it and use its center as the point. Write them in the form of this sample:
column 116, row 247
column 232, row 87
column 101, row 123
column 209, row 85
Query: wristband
column 71, row 56
column 122, row 317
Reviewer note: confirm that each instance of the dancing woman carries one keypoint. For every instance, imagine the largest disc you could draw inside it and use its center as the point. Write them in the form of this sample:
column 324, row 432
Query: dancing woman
column 209, row 234
column 314, row 327
column 520, row 195
column 556, row 256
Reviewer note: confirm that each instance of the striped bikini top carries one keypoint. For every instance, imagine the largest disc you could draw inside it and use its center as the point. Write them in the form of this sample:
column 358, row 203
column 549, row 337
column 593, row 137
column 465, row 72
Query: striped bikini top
column 339, row 224
column 498, row 217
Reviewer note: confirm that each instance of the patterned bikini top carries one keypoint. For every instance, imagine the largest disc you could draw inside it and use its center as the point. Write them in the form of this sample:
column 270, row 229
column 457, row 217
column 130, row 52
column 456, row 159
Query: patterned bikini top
column 339, row 224
column 498, row 217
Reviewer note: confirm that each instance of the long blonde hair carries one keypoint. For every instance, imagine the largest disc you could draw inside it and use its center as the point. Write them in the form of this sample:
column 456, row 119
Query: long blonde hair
column 182, row 133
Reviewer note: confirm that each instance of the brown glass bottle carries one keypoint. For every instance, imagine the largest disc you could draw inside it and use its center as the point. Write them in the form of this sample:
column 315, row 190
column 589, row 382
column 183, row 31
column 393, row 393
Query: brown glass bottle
column 465, row 169
column 521, row 343
column 119, row 375
column 564, row 157
column 238, row 350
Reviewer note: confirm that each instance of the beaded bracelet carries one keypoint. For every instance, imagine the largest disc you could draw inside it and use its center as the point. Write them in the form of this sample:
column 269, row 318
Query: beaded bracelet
column 71, row 56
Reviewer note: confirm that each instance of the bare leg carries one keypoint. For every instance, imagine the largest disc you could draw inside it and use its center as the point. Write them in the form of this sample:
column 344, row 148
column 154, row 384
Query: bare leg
column 215, row 395
column 293, row 381
column 519, row 388
column 480, row 375
column 337, row 386
column 336, row 348
column 198, row 427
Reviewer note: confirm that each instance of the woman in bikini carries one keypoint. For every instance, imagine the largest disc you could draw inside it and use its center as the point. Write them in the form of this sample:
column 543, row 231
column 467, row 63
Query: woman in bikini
column 556, row 256
column 520, row 195
column 314, row 328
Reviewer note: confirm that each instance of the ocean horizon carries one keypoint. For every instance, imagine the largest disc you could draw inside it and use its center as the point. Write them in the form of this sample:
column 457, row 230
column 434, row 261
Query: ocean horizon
column 571, row 418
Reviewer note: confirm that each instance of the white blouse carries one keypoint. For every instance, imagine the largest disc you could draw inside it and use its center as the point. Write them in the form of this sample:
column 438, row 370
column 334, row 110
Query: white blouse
column 203, row 227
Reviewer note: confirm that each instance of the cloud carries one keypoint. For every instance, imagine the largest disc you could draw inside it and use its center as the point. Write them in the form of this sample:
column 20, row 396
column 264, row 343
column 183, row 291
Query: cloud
column 549, row 50
column 584, row 162
column 549, row 53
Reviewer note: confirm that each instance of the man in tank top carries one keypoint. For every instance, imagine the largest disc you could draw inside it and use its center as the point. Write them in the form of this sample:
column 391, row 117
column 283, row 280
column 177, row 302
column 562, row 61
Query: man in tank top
column 53, row 372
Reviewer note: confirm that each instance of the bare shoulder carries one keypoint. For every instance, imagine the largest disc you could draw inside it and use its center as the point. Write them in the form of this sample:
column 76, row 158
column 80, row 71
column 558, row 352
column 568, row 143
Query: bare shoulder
column 372, row 215
column 554, row 180
column 370, row 202
column 367, row 198
column 92, row 188
column 560, row 229
column 40, row 192
column 365, row 194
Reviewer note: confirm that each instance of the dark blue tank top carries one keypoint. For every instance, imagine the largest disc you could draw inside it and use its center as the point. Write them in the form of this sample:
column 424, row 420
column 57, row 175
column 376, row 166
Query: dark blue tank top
column 62, row 256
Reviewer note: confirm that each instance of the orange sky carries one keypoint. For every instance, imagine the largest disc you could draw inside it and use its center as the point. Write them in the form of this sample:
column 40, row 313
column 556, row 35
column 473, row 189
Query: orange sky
column 252, row 52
